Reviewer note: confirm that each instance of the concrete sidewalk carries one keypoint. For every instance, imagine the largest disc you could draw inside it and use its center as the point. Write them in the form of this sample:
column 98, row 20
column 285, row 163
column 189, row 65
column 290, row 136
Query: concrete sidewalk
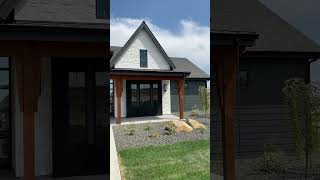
column 114, row 162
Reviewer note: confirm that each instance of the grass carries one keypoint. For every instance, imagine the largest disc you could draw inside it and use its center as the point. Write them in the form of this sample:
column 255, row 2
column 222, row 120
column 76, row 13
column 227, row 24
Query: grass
column 184, row 160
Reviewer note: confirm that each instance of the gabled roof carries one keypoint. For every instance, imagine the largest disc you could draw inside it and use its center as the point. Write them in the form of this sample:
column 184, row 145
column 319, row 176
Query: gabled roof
column 143, row 26
column 6, row 7
column 275, row 34
column 181, row 64
column 76, row 11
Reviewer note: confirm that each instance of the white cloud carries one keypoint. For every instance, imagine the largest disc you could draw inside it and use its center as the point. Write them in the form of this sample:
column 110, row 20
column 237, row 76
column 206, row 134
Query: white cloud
column 192, row 41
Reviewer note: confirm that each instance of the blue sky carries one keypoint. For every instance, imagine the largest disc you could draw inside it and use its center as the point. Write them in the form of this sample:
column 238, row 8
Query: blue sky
column 164, row 13
column 181, row 26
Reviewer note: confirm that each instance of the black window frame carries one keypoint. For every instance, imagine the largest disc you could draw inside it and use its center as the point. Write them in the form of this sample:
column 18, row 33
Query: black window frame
column 144, row 58
column 244, row 83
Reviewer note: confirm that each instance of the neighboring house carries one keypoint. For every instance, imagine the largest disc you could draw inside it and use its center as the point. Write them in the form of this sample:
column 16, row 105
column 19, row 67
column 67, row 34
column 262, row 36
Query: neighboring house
column 52, row 79
column 281, row 52
column 150, row 79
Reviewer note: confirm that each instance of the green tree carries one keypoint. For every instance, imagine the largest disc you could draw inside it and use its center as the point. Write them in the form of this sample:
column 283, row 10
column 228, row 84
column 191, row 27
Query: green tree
column 204, row 94
column 303, row 101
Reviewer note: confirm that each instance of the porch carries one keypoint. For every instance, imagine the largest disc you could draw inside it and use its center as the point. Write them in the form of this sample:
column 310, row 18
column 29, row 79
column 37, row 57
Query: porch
column 145, row 119
column 121, row 76
column 30, row 46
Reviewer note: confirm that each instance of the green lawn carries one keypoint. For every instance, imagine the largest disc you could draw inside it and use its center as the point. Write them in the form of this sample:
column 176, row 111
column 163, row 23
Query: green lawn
column 186, row 160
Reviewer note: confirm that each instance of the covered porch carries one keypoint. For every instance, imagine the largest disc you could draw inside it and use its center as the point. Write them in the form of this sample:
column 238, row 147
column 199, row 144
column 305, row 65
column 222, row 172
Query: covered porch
column 29, row 45
column 119, row 76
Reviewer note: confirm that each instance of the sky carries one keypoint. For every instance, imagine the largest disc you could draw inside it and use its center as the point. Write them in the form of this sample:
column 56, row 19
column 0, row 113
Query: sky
column 182, row 27
column 305, row 16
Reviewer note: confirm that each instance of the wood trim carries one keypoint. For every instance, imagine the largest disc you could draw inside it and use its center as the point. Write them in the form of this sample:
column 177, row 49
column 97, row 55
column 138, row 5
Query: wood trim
column 119, row 89
column 181, row 97
column 146, row 77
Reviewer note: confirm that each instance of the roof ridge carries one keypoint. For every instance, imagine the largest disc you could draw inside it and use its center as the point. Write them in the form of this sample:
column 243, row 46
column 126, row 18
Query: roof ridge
column 286, row 22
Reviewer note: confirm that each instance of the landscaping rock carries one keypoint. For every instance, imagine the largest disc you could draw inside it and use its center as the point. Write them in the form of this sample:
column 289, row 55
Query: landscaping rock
column 195, row 124
column 181, row 126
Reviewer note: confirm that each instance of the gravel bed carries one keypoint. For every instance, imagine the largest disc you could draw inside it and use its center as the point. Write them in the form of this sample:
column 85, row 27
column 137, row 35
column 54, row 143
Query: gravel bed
column 142, row 134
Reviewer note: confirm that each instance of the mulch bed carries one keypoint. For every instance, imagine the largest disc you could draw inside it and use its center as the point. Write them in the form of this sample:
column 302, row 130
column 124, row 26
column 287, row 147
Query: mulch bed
column 155, row 134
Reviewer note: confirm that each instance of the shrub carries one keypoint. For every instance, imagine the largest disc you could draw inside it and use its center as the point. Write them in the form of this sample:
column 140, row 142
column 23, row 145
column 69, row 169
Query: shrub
column 195, row 111
column 273, row 161
column 147, row 128
column 130, row 129
column 203, row 130
column 155, row 134
column 170, row 128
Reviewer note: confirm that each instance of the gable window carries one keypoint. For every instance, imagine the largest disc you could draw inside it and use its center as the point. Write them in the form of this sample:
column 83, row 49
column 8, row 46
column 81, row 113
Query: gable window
column 243, row 78
column 143, row 58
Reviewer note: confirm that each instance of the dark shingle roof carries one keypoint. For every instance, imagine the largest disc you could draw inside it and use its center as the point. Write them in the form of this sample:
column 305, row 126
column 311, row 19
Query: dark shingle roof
column 275, row 34
column 81, row 11
column 181, row 64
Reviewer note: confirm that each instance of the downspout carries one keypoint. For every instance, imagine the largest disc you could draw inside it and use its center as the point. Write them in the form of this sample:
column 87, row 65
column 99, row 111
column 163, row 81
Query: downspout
column 307, row 81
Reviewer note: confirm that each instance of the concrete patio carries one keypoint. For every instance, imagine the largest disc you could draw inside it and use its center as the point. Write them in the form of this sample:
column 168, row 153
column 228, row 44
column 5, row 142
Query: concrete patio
column 146, row 119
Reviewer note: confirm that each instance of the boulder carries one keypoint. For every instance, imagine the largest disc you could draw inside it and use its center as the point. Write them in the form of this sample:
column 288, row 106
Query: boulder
column 195, row 124
column 181, row 126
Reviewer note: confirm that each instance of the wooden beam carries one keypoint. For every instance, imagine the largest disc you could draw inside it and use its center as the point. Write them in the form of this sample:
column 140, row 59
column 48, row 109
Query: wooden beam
column 28, row 70
column 145, row 77
column 225, row 63
column 181, row 97
column 54, row 49
column 119, row 90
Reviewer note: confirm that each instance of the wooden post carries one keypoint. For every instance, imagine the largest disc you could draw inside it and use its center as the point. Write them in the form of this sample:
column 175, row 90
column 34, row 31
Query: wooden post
column 225, row 62
column 181, row 97
column 119, row 87
column 28, row 70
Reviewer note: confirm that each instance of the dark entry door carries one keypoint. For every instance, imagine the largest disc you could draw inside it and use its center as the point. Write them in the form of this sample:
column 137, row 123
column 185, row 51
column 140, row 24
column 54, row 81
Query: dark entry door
column 79, row 118
column 144, row 98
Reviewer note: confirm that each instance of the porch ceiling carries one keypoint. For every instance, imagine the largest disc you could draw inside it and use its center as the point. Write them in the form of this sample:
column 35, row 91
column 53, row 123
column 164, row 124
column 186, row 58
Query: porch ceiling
column 54, row 39
column 135, row 74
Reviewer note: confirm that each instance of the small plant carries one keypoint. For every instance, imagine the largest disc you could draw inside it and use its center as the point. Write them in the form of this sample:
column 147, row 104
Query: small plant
column 130, row 129
column 273, row 161
column 155, row 134
column 170, row 128
column 195, row 111
column 147, row 128
column 204, row 94
column 203, row 130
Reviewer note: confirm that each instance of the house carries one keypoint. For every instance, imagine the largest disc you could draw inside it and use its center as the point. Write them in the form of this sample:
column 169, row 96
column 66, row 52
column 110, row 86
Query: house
column 281, row 52
column 147, row 82
column 53, row 69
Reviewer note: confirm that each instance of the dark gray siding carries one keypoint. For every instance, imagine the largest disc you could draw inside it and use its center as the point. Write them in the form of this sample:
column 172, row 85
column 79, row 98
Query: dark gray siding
column 191, row 94
column 266, row 80
column 261, row 114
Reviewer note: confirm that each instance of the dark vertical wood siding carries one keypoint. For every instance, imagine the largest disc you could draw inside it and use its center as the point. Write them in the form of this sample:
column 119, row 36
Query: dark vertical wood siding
column 191, row 94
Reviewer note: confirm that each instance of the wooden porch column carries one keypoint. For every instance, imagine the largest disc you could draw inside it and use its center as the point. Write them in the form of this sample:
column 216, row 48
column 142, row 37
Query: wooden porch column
column 225, row 62
column 181, row 97
column 28, row 70
column 119, row 87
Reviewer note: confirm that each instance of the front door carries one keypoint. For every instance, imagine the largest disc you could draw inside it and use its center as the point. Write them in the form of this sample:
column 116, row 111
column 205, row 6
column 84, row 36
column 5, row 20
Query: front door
column 79, row 118
column 144, row 98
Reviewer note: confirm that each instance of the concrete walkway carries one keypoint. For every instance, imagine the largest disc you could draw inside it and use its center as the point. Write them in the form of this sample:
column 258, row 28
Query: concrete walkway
column 114, row 162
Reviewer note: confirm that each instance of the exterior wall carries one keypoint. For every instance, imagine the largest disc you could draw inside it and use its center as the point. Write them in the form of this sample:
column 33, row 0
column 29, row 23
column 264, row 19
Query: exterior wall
column 191, row 96
column 266, row 80
column 123, row 100
column 131, row 57
column 43, row 126
column 166, row 98
column 261, row 113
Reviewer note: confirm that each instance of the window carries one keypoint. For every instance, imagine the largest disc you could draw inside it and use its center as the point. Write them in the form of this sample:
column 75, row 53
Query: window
column 102, row 8
column 243, row 78
column 143, row 58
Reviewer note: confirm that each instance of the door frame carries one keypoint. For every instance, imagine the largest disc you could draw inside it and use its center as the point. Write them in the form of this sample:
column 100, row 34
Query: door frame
column 138, row 82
